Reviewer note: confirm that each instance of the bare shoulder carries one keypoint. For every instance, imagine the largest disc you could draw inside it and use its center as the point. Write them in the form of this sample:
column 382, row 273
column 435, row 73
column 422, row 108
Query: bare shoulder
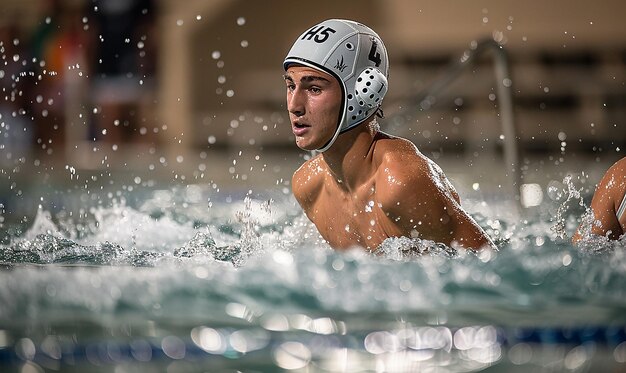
column 403, row 170
column 611, row 188
column 308, row 179
column 618, row 169
column 401, row 157
column 614, row 178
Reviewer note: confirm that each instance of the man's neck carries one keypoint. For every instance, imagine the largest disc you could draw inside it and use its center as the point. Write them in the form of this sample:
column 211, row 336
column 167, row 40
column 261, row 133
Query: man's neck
column 350, row 158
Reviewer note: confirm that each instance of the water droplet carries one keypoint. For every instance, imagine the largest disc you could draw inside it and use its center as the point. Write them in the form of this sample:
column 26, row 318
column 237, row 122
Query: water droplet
column 567, row 260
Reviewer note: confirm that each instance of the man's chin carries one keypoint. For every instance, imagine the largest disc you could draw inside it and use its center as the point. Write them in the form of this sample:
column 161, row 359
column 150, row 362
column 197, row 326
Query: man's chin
column 305, row 146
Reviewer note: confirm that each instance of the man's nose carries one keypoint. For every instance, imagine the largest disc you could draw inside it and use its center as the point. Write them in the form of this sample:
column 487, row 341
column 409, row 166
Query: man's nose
column 295, row 102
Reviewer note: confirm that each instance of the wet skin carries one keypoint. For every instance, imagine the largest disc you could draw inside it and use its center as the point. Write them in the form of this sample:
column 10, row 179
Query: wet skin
column 605, row 203
column 368, row 186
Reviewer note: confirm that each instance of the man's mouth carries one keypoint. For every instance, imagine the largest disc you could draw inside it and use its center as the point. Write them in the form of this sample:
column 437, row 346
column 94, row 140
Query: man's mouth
column 299, row 129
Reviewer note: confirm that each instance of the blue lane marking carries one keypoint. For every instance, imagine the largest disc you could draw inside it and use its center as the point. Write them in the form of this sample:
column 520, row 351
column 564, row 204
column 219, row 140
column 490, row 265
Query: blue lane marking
column 107, row 352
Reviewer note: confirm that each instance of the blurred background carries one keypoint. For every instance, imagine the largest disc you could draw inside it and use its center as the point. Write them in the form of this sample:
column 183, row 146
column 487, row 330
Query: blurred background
column 136, row 92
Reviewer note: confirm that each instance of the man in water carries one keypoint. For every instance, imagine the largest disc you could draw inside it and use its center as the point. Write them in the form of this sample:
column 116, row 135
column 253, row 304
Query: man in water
column 364, row 185
column 608, row 204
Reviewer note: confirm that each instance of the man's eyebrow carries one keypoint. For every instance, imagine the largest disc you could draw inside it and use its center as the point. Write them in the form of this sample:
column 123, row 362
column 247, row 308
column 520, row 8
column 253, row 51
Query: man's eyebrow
column 307, row 78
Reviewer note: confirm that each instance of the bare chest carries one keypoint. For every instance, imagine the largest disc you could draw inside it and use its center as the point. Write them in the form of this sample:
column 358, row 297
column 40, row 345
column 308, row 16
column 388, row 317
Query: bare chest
column 346, row 220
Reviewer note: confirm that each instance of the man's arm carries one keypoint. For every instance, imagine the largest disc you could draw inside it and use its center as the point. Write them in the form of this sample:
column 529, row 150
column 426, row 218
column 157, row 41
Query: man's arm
column 420, row 199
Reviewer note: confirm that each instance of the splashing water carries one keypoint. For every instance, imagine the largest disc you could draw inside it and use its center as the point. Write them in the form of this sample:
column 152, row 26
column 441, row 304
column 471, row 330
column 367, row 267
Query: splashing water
column 249, row 280
column 589, row 242
column 571, row 193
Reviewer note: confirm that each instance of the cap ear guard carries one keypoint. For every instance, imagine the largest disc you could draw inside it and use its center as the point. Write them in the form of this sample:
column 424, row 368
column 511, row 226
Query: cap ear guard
column 370, row 88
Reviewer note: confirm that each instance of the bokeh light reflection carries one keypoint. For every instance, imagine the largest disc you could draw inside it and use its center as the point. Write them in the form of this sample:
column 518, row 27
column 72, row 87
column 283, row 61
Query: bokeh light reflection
column 620, row 353
column 141, row 350
column 275, row 322
column 249, row 340
column 292, row 355
column 209, row 339
column 173, row 347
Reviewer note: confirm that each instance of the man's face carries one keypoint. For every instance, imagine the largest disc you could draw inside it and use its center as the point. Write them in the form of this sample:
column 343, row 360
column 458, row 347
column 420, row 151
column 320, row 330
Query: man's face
column 314, row 101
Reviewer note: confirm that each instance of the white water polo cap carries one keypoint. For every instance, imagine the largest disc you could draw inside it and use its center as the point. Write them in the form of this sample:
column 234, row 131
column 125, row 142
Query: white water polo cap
column 356, row 56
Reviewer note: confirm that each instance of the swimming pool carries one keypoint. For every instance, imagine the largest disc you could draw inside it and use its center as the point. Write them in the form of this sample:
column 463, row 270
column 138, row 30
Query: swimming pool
column 191, row 277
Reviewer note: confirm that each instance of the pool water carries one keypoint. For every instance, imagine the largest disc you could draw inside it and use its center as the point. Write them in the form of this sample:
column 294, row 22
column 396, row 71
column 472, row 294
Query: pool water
column 193, row 279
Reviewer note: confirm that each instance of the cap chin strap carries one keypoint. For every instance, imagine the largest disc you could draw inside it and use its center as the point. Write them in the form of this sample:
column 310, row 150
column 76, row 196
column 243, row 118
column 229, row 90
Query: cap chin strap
column 331, row 141
column 339, row 132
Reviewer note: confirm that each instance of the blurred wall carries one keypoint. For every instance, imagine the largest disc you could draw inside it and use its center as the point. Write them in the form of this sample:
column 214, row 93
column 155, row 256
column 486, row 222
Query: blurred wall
column 219, row 85
column 567, row 58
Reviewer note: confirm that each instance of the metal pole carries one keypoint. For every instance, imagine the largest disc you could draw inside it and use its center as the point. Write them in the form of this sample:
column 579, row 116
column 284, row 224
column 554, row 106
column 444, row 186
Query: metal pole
column 504, row 86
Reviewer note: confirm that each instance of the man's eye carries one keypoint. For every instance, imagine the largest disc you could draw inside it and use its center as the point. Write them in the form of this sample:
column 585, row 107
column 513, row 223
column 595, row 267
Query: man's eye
column 315, row 90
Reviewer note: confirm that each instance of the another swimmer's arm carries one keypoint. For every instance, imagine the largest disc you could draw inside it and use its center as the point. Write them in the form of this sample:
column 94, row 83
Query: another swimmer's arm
column 604, row 210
